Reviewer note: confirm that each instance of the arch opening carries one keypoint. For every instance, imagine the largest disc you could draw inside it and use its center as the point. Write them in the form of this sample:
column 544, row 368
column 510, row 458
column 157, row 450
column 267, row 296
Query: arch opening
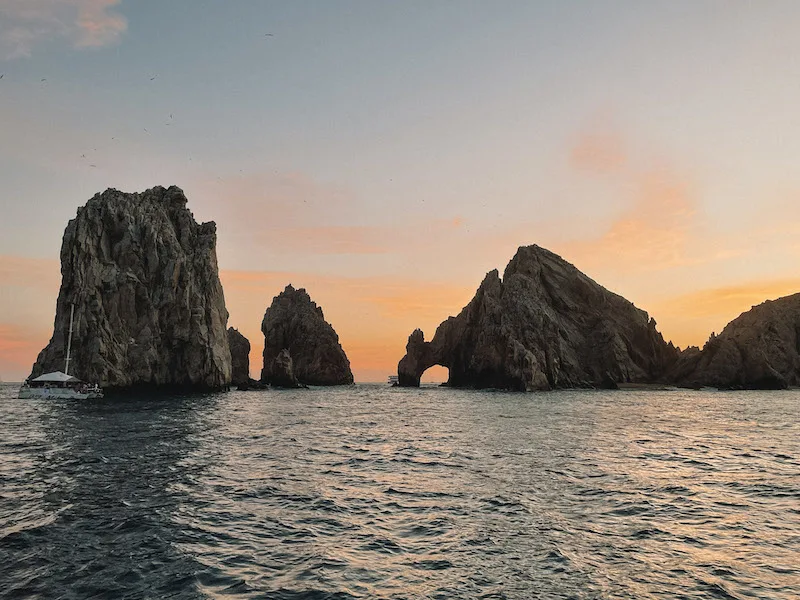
column 435, row 375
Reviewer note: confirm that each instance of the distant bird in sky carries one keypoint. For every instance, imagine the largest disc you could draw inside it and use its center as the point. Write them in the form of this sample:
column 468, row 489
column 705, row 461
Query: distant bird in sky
column 83, row 156
column 43, row 80
column 92, row 165
column 2, row 75
column 269, row 35
column 145, row 129
column 153, row 77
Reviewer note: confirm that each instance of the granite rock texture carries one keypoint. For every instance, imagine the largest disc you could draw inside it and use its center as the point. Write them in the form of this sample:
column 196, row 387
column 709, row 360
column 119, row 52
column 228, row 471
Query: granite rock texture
column 240, row 357
column 545, row 325
column 760, row 349
column 293, row 322
column 283, row 371
column 149, row 306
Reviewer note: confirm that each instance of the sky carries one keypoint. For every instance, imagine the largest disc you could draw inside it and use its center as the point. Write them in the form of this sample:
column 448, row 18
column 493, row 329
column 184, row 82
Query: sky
column 386, row 155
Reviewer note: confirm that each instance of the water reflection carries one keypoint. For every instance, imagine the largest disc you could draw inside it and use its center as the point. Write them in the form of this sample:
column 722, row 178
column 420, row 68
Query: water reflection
column 377, row 492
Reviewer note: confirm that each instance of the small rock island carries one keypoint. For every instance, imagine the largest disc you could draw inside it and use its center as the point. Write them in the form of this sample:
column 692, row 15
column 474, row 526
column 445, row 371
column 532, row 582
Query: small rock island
column 149, row 307
column 240, row 357
column 760, row 349
column 314, row 356
column 545, row 325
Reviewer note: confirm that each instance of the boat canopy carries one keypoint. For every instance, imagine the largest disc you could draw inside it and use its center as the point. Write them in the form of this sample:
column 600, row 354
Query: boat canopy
column 57, row 377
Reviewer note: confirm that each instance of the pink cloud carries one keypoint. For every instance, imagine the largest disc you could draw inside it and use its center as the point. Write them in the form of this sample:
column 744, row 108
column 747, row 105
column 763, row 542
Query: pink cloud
column 26, row 24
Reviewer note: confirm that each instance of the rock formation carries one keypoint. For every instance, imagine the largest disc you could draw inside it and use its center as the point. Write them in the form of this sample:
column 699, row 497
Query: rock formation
column 545, row 325
column 295, row 323
column 283, row 371
column 760, row 349
column 240, row 357
column 149, row 307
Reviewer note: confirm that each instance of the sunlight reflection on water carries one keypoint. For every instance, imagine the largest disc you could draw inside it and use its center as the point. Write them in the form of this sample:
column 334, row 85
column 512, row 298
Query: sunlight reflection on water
column 370, row 491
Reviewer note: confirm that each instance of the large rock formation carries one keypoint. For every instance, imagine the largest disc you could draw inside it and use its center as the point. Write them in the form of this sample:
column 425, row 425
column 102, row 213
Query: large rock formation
column 149, row 307
column 760, row 349
column 295, row 323
column 545, row 325
column 240, row 357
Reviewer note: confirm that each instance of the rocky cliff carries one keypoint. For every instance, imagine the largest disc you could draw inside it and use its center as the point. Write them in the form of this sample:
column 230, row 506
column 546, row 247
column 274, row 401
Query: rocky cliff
column 295, row 323
column 240, row 357
column 149, row 307
column 760, row 349
column 545, row 325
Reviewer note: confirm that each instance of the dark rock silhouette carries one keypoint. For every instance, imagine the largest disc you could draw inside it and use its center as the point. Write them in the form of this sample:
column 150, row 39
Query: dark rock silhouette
column 545, row 325
column 240, row 357
column 283, row 371
column 295, row 323
column 149, row 307
column 760, row 349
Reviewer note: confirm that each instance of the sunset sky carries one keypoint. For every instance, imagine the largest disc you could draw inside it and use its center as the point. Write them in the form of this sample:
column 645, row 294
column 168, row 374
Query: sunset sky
column 386, row 155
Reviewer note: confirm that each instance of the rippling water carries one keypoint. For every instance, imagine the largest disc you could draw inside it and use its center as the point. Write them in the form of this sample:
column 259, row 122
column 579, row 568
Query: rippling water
column 378, row 492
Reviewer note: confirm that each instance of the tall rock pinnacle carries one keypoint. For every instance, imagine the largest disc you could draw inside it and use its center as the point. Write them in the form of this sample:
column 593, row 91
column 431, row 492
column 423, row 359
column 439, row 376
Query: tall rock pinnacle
column 295, row 323
column 149, row 306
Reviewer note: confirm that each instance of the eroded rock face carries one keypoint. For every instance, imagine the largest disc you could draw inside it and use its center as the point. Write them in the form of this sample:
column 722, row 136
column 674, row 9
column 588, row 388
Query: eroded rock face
column 760, row 349
column 545, row 325
column 149, row 306
column 240, row 357
column 295, row 323
column 283, row 371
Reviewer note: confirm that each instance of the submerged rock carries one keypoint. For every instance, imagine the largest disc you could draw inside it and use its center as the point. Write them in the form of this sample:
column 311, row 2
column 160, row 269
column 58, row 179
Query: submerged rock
column 149, row 306
column 240, row 358
column 760, row 349
column 293, row 322
column 545, row 325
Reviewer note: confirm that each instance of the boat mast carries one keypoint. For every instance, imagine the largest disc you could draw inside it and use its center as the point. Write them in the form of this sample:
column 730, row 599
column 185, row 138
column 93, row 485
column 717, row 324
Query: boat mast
column 69, row 340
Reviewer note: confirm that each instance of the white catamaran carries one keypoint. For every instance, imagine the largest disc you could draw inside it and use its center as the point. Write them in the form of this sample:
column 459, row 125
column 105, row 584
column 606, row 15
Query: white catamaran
column 58, row 385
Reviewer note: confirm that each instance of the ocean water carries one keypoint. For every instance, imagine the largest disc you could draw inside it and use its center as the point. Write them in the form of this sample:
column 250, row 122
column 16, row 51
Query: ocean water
column 378, row 492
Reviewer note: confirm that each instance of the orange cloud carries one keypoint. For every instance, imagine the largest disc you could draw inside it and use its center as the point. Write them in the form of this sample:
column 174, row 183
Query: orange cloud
column 652, row 234
column 332, row 239
column 25, row 24
column 97, row 25
column 599, row 152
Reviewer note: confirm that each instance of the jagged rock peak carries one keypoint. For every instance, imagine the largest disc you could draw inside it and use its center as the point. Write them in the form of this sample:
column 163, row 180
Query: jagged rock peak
column 544, row 325
column 760, row 349
column 240, row 357
column 294, row 322
column 149, row 306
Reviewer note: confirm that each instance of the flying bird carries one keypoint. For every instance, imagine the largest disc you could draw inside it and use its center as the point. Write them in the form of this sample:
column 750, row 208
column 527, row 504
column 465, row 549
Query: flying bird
column 92, row 165
column 2, row 75
column 83, row 156
column 269, row 35
column 153, row 77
